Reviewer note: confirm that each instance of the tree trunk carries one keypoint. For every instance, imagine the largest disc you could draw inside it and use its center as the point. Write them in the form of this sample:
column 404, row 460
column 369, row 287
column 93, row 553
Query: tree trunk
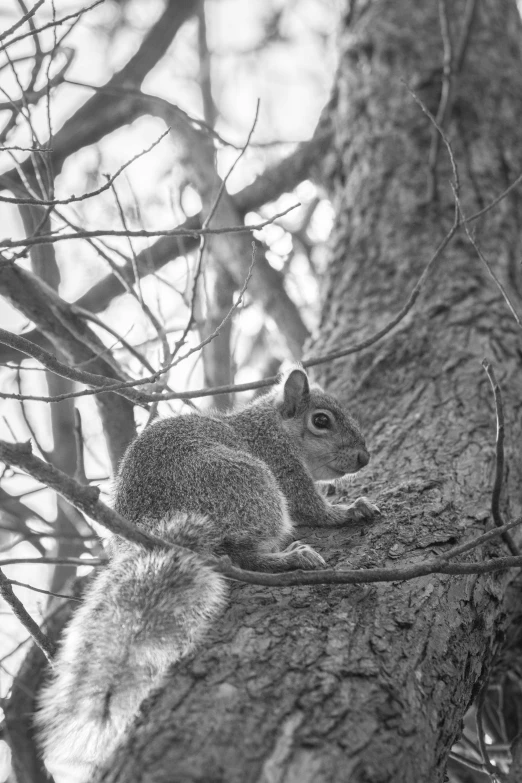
column 370, row 683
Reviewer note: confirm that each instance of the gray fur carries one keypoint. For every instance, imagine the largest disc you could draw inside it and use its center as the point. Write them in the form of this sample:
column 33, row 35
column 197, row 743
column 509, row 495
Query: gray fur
column 227, row 484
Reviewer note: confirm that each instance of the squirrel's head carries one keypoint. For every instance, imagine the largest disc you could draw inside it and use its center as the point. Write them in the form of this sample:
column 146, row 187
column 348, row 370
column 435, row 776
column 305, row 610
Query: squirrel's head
column 327, row 436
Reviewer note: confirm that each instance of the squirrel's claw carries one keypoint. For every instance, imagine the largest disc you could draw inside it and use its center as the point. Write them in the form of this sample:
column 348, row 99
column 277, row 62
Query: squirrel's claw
column 362, row 508
column 306, row 557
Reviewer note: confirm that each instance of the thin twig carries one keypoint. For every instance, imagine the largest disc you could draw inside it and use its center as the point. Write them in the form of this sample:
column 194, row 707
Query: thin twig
column 54, row 23
column 451, row 68
column 440, row 131
column 460, row 217
column 125, row 344
column 43, row 239
column 231, row 169
column 137, row 282
column 493, row 203
column 49, row 534
column 479, row 540
column 444, row 103
column 23, row 19
column 227, row 317
column 60, row 368
column 50, row 361
column 72, row 199
column 329, row 357
column 85, row 499
column 19, row 610
column 65, row 561
column 476, row 765
column 8, row 148
column 79, row 473
column 40, row 590
column 44, row 621
column 123, row 219
column 206, row 223
column 489, row 768
column 465, row 35
column 25, row 415
column 499, row 458
column 492, row 274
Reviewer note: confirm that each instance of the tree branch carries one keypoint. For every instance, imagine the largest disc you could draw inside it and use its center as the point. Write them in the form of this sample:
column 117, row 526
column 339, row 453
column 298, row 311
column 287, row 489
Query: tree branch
column 70, row 335
column 280, row 178
column 102, row 114
column 53, row 237
column 499, row 458
column 85, row 499
column 6, row 591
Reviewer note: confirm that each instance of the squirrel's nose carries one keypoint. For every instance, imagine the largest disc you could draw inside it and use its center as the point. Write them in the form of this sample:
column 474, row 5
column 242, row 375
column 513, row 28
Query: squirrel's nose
column 363, row 458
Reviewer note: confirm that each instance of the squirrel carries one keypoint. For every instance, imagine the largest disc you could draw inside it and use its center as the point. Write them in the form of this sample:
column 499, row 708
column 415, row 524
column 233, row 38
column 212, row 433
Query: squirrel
column 218, row 484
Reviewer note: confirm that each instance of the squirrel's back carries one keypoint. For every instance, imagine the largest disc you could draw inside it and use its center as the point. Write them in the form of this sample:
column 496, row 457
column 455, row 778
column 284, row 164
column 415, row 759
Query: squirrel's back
column 162, row 469
column 201, row 465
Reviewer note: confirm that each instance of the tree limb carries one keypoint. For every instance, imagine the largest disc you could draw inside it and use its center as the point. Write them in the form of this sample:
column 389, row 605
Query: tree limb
column 102, row 113
column 19, row 610
column 70, row 335
column 277, row 179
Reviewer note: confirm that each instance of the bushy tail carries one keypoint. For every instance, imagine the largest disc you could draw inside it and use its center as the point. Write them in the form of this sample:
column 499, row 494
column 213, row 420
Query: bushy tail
column 144, row 612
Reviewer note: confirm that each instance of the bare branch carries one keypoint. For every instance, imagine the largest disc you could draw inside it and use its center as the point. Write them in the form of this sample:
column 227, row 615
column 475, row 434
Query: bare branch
column 515, row 770
column 91, row 193
column 79, row 474
column 278, row 179
column 51, row 363
column 460, row 218
column 54, row 23
column 71, row 336
column 31, row 97
column 85, row 499
column 465, row 35
column 477, row 766
column 444, row 102
column 231, row 169
column 10, row 148
column 206, row 181
column 40, row 590
column 400, row 315
column 23, row 19
column 65, row 561
column 102, row 114
column 488, row 766
column 369, row 575
column 55, row 237
column 479, row 540
column 6, row 591
column 227, row 317
column 499, row 460
column 19, row 514
column 495, row 201
column 492, row 274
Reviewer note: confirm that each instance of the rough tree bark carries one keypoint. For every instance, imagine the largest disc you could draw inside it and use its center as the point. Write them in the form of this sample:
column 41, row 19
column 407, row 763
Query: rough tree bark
column 370, row 683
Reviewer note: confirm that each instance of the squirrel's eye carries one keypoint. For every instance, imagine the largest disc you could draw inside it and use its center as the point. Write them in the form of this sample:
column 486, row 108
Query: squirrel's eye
column 321, row 421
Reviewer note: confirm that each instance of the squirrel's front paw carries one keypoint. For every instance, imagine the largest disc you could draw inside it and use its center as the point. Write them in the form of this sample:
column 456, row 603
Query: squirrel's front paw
column 304, row 556
column 362, row 508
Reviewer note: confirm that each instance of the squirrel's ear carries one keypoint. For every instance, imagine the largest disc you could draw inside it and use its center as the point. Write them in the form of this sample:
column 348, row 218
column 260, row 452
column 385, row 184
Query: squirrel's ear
column 296, row 394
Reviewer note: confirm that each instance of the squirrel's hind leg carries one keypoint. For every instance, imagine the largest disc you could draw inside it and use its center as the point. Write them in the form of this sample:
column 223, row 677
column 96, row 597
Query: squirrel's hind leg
column 296, row 555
